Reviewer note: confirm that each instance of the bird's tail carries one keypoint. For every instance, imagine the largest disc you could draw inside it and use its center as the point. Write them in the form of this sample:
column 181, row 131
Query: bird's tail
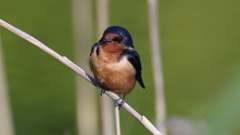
column 140, row 81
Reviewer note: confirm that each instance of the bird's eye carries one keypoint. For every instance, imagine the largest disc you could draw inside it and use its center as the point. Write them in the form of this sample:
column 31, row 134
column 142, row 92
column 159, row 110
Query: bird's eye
column 117, row 39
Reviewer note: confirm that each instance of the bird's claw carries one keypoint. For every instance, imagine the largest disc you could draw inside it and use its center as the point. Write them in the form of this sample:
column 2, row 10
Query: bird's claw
column 119, row 102
column 102, row 92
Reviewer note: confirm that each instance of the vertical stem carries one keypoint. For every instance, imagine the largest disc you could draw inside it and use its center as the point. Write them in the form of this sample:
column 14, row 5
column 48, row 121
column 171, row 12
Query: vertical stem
column 117, row 120
column 6, row 127
column 157, row 68
column 86, row 98
column 106, row 103
column 102, row 16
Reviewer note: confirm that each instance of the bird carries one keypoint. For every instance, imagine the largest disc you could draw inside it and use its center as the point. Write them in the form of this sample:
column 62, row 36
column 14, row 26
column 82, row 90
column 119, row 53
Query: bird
column 115, row 63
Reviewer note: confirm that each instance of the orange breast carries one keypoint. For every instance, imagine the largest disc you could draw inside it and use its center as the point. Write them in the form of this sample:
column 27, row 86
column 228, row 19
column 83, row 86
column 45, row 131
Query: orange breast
column 113, row 75
column 114, row 48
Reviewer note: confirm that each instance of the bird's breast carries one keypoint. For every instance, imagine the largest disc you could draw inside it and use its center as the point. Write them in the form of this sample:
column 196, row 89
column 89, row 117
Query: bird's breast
column 113, row 74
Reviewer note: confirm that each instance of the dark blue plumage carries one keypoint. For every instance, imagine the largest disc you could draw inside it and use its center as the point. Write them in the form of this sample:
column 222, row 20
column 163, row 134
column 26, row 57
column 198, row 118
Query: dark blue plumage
column 127, row 38
column 134, row 59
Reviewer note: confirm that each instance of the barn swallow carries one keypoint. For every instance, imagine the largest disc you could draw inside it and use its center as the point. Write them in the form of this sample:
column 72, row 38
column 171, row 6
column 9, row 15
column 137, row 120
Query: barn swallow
column 115, row 63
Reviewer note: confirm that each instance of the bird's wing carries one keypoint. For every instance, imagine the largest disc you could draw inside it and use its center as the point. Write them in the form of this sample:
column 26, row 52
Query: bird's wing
column 134, row 59
column 92, row 49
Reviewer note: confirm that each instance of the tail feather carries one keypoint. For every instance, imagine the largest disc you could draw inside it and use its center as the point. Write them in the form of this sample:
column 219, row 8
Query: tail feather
column 140, row 81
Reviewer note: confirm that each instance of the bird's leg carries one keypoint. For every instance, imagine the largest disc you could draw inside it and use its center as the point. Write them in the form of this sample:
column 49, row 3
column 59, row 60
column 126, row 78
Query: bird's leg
column 102, row 91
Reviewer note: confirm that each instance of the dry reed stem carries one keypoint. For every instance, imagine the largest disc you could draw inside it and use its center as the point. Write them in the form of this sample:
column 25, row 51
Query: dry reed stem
column 6, row 126
column 157, row 67
column 87, row 115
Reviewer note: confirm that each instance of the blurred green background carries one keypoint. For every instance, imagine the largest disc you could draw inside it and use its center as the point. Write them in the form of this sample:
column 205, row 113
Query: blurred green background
column 200, row 54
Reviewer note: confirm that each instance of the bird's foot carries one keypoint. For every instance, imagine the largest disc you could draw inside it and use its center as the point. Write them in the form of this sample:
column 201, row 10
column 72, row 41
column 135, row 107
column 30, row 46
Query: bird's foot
column 102, row 92
column 119, row 102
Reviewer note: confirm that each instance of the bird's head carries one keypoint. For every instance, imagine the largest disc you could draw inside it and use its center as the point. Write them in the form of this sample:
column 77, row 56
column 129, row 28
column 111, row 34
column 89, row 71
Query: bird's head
column 116, row 35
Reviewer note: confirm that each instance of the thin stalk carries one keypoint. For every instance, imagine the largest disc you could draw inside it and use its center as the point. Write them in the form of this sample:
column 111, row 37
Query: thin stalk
column 157, row 67
column 78, row 70
column 117, row 120
column 6, row 127
column 87, row 117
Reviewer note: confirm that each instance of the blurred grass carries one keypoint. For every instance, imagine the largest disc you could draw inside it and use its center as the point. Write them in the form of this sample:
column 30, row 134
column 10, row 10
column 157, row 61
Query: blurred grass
column 200, row 45
column 41, row 89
